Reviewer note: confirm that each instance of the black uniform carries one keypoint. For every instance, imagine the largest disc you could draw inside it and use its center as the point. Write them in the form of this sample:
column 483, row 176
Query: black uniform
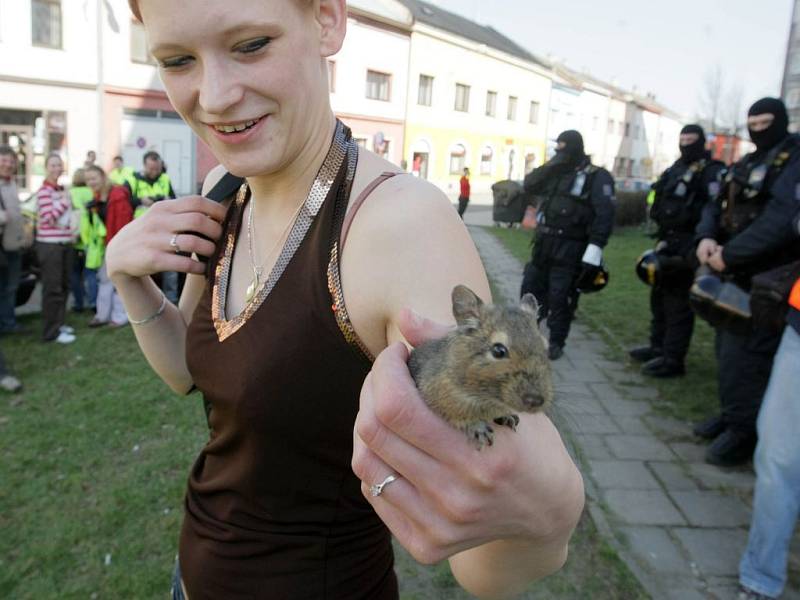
column 747, row 220
column 680, row 196
column 575, row 208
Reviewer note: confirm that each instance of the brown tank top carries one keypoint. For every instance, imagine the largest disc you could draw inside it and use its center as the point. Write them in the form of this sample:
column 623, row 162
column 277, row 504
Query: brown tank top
column 273, row 509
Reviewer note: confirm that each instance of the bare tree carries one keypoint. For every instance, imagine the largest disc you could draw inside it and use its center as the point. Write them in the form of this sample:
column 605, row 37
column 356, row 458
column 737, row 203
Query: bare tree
column 734, row 112
column 711, row 95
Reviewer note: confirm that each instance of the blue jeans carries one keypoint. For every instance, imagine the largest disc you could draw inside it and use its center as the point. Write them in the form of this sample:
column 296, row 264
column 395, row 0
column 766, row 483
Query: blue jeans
column 91, row 287
column 777, row 462
column 9, row 282
column 177, row 590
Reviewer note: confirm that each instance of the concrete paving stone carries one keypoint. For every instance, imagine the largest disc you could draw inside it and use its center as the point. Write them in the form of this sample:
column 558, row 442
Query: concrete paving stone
column 711, row 477
column 643, row 507
column 593, row 446
column 623, row 475
column 656, row 549
column 573, row 389
column 689, row 451
column 672, row 476
column 586, row 372
column 723, row 588
column 680, row 591
column 616, row 404
column 640, row 392
column 638, row 447
column 712, row 509
column 714, row 551
column 593, row 424
column 567, row 409
column 632, row 425
column 669, row 427
column 608, row 366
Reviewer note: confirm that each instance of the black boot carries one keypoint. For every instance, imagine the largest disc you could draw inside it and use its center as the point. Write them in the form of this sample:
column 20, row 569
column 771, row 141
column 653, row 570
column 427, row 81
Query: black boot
column 731, row 449
column 645, row 353
column 663, row 367
column 710, row 428
column 555, row 351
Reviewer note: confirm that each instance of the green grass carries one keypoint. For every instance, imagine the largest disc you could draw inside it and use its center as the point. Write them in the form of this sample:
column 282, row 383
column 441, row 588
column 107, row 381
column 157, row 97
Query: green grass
column 621, row 314
column 95, row 455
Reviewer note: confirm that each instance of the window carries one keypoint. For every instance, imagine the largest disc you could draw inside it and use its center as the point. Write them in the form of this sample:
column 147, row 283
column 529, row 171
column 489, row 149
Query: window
column 462, row 97
column 491, row 104
column 530, row 162
column 139, row 50
column 379, row 86
column 636, row 132
column 458, row 159
column 332, row 76
column 512, row 108
column 627, row 129
column 486, row 160
column 534, row 116
column 630, row 167
column 46, row 22
column 361, row 141
column 793, row 99
column 425, row 94
column 611, row 126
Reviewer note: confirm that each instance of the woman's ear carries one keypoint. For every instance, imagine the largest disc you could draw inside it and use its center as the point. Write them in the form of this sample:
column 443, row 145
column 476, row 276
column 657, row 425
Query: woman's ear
column 332, row 18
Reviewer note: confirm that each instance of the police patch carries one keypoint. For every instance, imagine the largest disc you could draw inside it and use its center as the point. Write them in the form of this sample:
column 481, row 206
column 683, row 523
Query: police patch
column 607, row 190
column 713, row 189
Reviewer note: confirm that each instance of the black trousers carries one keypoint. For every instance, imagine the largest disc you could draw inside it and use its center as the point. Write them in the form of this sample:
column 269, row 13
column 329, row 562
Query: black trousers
column 550, row 277
column 672, row 321
column 744, row 365
column 462, row 205
column 56, row 264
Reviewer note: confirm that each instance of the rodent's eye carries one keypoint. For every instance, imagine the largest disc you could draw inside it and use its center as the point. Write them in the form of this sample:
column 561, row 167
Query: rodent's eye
column 499, row 351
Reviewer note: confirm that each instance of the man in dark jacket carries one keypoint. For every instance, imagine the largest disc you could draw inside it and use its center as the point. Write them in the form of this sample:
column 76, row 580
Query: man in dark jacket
column 746, row 232
column 680, row 196
column 576, row 216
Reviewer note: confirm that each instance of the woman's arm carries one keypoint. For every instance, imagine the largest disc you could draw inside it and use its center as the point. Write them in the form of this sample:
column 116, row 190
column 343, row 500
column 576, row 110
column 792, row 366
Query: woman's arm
column 503, row 516
column 142, row 248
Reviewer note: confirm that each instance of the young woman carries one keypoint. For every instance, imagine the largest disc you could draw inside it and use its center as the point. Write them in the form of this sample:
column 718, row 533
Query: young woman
column 109, row 212
column 280, row 330
column 55, row 234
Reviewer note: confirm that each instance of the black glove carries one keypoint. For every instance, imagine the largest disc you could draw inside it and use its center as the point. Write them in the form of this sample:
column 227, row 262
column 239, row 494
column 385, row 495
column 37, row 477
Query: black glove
column 587, row 276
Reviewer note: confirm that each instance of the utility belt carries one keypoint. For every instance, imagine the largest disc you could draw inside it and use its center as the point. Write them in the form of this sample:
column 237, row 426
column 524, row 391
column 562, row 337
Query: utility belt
column 577, row 234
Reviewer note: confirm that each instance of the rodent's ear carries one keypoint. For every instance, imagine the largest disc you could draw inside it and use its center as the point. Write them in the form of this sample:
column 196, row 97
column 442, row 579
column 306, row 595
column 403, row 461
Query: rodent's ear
column 466, row 306
column 530, row 305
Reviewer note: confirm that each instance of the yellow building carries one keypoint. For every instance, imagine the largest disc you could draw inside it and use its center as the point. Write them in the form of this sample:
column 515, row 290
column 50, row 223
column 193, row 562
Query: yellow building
column 476, row 99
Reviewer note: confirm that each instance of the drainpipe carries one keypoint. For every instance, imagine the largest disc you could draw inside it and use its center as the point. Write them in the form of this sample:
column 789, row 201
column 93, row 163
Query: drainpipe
column 100, row 85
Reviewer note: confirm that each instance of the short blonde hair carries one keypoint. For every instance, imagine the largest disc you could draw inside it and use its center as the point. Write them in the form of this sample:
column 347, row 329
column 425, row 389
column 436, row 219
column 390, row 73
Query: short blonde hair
column 134, row 4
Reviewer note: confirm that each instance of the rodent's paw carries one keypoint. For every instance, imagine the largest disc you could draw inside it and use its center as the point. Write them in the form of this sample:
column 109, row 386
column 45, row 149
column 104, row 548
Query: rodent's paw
column 481, row 434
column 510, row 421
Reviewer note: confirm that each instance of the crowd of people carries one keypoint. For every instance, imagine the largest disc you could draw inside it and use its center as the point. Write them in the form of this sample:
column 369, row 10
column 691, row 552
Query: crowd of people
column 727, row 248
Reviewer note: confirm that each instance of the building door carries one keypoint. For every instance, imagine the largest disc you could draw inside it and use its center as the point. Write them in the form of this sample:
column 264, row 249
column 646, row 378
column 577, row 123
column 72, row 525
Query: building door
column 20, row 138
column 170, row 137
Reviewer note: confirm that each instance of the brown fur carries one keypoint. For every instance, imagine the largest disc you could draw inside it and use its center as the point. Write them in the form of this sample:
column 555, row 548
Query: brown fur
column 465, row 384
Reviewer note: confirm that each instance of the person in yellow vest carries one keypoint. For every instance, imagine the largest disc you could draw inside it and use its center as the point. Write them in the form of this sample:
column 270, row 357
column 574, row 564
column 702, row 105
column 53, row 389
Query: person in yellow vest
column 122, row 175
column 150, row 186
column 82, row 282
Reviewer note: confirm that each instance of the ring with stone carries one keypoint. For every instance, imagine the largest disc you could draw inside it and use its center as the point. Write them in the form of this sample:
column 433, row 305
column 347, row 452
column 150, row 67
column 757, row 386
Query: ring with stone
column 377, row 489
column 173, row 243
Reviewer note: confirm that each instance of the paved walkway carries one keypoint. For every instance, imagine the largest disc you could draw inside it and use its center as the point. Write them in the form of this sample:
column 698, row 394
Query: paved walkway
column 679, row 524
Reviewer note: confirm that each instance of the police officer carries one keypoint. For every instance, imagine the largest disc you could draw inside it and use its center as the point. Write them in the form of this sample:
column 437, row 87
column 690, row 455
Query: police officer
column 575, row 219
column 151, row 185
column 739, row 237
column 679, row 197
column 148, row 187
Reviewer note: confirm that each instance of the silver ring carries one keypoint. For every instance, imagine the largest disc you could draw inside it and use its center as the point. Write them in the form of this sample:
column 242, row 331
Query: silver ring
column 377, row 489
column 174, row 243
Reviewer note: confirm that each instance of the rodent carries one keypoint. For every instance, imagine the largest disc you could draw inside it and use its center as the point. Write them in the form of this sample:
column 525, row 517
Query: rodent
column 493, row 365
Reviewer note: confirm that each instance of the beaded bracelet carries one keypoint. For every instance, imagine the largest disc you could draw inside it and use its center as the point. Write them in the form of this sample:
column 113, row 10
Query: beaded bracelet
column 154, row 316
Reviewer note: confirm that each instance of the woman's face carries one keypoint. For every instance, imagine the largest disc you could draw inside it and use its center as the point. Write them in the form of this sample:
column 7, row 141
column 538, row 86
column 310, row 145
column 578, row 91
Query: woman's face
column 54, row 168
column 94, row 180
column 247, row 76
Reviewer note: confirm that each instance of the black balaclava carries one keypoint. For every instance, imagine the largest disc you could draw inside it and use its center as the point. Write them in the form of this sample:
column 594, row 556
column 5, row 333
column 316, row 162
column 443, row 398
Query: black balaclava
column 696, row 151
column 573, row 146
column 774, row 134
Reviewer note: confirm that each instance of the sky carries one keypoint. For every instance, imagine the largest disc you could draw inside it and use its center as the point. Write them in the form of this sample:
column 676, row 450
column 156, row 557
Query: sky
column 667, row 47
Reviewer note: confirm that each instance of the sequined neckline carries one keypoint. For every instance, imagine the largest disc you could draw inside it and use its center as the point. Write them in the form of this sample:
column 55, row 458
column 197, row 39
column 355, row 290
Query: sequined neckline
column 320, row 190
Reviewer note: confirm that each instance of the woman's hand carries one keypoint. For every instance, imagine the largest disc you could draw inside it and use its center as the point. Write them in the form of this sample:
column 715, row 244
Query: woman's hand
column 143, row 247
column 449, row 496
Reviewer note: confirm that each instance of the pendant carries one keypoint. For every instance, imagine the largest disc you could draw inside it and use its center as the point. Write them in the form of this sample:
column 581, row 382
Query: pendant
column 251, row 290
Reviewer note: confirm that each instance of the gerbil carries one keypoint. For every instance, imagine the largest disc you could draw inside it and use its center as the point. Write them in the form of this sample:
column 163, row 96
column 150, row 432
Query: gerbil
column 493, row 365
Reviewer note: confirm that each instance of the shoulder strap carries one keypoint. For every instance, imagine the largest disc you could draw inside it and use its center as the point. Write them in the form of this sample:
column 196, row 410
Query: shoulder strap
column 351, row 214
column 225, row 187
